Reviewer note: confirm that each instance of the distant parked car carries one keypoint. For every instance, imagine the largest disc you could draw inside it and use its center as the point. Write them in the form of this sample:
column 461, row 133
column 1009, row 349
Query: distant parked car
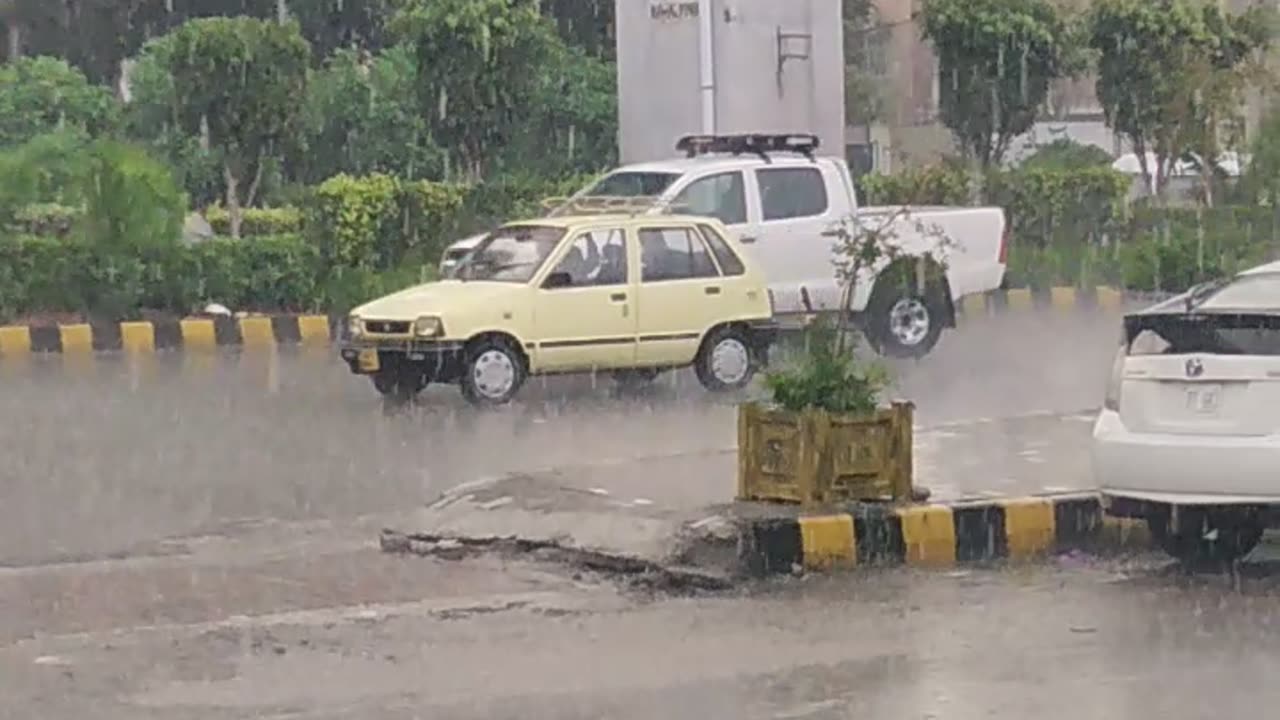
column 1189, row 436
column 622, row 293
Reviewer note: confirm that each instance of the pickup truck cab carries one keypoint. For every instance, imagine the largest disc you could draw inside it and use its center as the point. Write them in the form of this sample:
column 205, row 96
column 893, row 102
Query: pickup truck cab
column 778, row 199
column 627, row 294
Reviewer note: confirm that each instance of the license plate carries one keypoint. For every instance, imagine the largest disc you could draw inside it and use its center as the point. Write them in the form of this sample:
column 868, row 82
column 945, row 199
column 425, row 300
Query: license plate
column 367, row 361
column 1204, row 400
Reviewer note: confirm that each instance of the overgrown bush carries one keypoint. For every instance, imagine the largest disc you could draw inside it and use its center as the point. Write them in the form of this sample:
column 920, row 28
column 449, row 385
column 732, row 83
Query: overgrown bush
column 352, row 220
column 940, row 184
column 1044, row 205
column 257, row 221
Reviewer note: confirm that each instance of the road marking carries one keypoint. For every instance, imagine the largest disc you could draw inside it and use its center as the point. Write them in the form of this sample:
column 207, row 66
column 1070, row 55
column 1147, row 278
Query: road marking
column 138, row 337
column 828, row 542
column 929, row 535
column 1028, row 527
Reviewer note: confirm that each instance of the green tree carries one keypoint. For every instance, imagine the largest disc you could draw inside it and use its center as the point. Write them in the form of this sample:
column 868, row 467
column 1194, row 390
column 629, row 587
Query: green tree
column 477, row 62
column 1067, row 154
column 865, row 41
column 1170, row 74
column 331, row 25
column 572, row 121
column 363, row 116
column 238, row 82
column 150, row 120
column 589, row 25
column 39, row 94
column 996, row 59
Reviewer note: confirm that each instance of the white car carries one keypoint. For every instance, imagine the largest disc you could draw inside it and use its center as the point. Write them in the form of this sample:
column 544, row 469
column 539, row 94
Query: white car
column 1189, row 436
column 779, row 199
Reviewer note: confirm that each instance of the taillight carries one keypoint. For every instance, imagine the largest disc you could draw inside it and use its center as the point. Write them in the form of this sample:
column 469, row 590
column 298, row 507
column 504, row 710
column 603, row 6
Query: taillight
column 1004, row 246
column 1112, row 399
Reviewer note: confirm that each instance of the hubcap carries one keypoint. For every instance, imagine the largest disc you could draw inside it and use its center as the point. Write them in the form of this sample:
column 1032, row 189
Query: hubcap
column 730, row 361
column 494, row 373
column 909, row 321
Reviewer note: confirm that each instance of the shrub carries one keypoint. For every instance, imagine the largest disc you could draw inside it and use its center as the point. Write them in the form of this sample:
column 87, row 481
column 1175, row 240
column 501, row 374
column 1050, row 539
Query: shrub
column 46, row 219
column 256, row 221
column 941, row 184
column 1047, row 204
column 352, row 220
column 131, row 200
column 827, row 376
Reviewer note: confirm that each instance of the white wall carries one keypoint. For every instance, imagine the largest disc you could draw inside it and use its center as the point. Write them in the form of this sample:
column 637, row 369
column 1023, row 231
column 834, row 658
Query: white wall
column 658, row 80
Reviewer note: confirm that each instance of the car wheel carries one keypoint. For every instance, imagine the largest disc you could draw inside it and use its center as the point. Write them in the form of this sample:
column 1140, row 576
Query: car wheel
column 493, row 373
column 400, row 385
column 902, row 321
column 1208, row 539
column 725, row 361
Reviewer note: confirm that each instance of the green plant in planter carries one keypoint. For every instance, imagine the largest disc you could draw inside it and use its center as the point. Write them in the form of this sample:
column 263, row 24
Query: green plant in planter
column 826, row 377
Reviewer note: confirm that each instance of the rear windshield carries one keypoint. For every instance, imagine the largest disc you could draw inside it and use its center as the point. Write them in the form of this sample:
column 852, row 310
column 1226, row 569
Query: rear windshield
column 1203, row 333
column 633, row 184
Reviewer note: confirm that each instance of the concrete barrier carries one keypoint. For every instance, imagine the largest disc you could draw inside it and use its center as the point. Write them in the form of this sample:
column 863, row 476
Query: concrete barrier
column 933, row 535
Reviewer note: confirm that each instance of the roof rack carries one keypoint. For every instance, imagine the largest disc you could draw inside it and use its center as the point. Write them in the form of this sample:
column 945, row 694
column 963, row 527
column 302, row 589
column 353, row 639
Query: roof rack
column 756, row 144
column 601, row 204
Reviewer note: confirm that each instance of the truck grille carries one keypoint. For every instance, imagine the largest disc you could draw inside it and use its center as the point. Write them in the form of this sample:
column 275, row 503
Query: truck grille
column 387, row 327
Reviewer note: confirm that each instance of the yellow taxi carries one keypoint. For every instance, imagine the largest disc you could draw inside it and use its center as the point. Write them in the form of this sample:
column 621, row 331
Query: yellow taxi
column 627, row 294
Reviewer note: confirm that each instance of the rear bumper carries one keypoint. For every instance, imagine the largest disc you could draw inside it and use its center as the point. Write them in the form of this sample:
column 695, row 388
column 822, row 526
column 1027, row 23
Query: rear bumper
column 439, row 360
column 1184, row 469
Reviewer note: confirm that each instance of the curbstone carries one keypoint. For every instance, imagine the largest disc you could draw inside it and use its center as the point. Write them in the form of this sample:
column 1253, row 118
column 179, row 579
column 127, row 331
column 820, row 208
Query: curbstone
column 1060, row 299
column 256, row 332
column 934, row 535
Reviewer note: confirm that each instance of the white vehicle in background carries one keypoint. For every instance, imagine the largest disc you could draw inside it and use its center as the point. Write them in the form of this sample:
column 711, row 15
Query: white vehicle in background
column 781, row 200
column 1189, row 435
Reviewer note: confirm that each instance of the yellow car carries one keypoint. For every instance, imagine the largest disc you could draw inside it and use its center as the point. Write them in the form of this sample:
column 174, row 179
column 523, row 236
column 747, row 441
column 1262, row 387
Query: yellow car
column 627, row 294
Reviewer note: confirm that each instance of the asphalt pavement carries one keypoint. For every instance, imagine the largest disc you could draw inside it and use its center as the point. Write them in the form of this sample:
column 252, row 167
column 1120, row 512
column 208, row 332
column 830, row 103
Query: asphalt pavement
column 195, row 537
column 110, row 456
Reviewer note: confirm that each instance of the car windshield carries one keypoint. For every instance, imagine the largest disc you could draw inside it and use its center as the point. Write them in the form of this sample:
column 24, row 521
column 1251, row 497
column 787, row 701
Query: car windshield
column 510, row 254
column 632, row 184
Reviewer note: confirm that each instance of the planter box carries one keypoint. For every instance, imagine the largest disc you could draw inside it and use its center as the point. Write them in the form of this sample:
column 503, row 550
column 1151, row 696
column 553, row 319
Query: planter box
column 818, row 458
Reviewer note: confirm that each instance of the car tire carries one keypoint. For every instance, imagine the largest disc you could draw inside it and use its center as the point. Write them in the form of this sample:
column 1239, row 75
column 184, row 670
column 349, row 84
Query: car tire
column 493, row 372
column 400, row 385
column 725, row 362
column 903, row 321
column 1208, row 539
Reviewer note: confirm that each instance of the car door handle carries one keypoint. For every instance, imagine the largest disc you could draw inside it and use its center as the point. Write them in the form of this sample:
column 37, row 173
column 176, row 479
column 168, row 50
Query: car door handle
column 712, row 290
column 618, row 297
column 746, row 239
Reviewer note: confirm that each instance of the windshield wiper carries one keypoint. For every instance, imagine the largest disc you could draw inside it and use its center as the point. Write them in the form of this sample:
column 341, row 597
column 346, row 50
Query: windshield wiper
column 1202, row 292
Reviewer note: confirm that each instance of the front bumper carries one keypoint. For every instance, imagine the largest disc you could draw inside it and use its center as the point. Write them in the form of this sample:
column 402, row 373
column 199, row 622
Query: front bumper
column 441, row 360
column 1163, row 468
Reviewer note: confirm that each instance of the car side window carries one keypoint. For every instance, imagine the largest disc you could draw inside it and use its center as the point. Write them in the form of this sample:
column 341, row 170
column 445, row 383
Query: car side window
column 674, row 254
column 722, row 196
column 595, row 258
column 787, row 193
column 730, row 263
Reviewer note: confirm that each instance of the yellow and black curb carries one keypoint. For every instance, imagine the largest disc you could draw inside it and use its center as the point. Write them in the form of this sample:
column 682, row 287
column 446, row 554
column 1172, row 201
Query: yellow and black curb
column 934, row 535
column 197, row 333
column 1059, row 299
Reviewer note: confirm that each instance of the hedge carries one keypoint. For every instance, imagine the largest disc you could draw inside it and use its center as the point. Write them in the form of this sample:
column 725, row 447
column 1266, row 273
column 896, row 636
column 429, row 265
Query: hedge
column 1075, row 226
column 256, row 221
column 272, row 273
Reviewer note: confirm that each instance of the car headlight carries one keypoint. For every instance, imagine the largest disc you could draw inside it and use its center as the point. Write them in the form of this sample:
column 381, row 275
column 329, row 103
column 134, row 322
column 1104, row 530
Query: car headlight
column 428, row 326
column 355, row 327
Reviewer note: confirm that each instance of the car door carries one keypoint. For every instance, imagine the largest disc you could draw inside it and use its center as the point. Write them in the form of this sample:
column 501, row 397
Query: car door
column 680, row 295
column 584, row 308
column 794, row 204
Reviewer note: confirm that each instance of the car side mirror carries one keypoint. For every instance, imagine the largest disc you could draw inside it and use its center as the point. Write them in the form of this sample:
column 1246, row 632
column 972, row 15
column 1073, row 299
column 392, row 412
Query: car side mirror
column 559, row 279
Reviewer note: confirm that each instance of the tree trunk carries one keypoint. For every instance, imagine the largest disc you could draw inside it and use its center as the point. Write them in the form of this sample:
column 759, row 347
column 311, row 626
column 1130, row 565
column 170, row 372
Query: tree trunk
column 15, row 39
column 233, row 200
column 252, row 197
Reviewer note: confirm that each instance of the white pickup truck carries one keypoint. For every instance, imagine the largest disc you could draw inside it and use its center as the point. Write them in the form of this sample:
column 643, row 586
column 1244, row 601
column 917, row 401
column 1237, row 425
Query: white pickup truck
column 781, row 200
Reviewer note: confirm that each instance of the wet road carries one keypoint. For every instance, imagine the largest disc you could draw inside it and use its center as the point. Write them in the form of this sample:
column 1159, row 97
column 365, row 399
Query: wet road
column 113, row 456
column 1060, row 642
column 221, row 513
